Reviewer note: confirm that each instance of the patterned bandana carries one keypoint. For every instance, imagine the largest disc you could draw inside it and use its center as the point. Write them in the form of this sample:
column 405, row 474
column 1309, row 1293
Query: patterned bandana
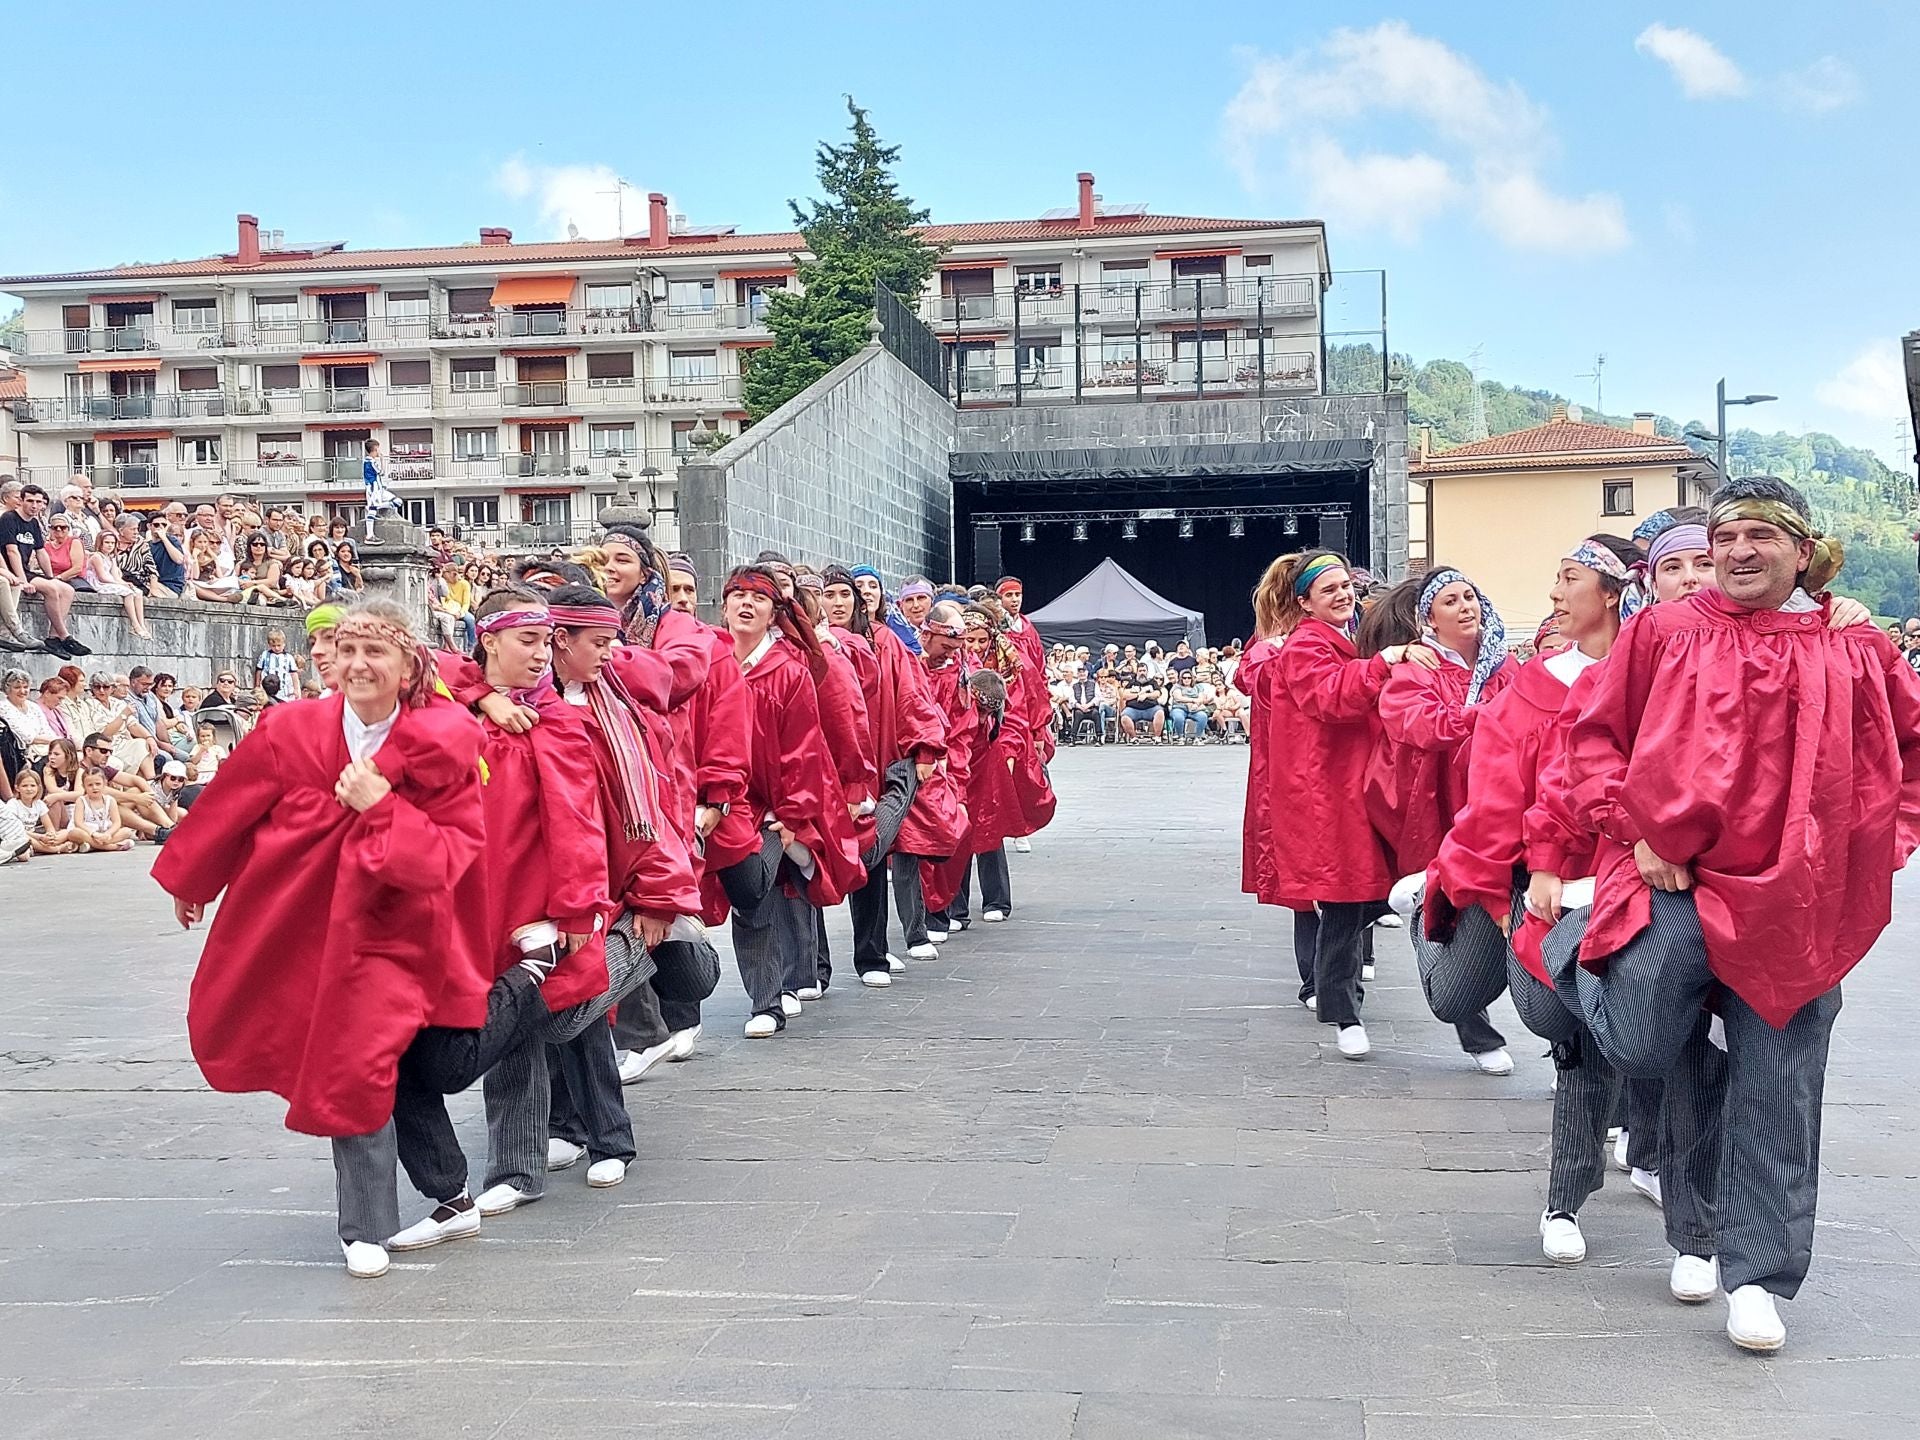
column 1828, row 553
column 513, row 620
column 953, row 629
column 1603, row 561
column 1493, row 631
column 641, row 614
column 812, row 582
column 1312, row 571
column 1654, row 526
column 754, row 584
column 421, row 674
column 684, row 564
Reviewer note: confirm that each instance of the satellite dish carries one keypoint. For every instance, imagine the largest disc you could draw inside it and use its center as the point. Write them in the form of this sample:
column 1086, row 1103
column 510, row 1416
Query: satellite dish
column 1575, row 414
column 573, row 231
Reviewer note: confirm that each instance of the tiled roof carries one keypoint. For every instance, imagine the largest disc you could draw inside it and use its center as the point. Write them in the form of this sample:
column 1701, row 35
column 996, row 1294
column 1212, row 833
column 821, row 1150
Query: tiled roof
column 13, row 385
column 1572, row 442
column 562, row 252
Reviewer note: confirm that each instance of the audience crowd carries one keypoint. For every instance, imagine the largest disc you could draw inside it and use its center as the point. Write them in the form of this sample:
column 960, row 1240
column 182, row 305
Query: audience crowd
column 1141, row 695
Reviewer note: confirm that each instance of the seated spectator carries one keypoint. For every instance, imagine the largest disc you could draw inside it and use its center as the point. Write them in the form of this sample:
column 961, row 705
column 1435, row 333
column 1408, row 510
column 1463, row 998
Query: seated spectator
column 136, row 808
column 1153, row 661
column 30, row 811
column 99, row 818
column 1109, row 658
column 207, row 757
column 55, row 696
column 103, row 569
column 31, row 728
column 1145, row 710
column 170, row 792
column 1083, row 707
column 1230, row 713
column 1112, row 699
column 60, row 774
column 302, row 586
column 171, row 727
column 65, row 553
column 210, row 575
column 1182, row 660
column 1190, row 716
column 347, row 580
column 190, row 700
column 258, row 572
column 226, row 694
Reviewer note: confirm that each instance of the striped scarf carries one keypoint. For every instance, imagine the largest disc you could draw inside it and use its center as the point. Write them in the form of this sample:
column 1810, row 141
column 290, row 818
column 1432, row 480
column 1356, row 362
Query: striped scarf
column 638, row 781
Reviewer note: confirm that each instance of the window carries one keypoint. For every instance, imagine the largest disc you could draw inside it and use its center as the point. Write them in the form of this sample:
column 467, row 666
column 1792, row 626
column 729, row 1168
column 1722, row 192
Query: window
column 690, row 294
column 1117, row 347
column 757, row 294
column 1200, row 266
column 474, row 304
column 549, row 511
column 195, row 316
column 137, row 462
column 605, row 299
column 199, row 449
column 79, row 392
column 610, row 370
column 693, row 366
column 1260, row 265
column 410, row 444
column 610, row 439
column 276, row 310
column 283, row 449
column 683, row 433
column 476, row 511
column 1035, row 360
column 407, row 305
column 1616, row 497
column 279, row 379
column 409, row 374
column 80, row 457
column 477, row 444
column 471, row 373
column 419, row 511
column 975, row 363
column 1039, row 279
column 200, row 378
column 1118, row 275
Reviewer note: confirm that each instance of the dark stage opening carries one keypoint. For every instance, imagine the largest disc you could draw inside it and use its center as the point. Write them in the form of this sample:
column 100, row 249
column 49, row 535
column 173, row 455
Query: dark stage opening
column 1212, row 570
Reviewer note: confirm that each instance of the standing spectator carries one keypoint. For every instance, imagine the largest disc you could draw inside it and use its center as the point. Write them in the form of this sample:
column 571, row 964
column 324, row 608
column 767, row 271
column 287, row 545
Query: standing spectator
column 103, row 569
column 167, row 548
column 380, row 500
column 277, row 660
column 22, row 546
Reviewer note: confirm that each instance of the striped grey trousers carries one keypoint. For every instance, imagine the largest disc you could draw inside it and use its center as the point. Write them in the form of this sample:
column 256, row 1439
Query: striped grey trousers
column 366, row 1185
column 1642, row 1013
column 1463, row 976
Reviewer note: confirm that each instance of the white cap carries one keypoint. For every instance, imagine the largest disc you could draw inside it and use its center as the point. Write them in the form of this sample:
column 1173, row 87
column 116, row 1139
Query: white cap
column 174, row 767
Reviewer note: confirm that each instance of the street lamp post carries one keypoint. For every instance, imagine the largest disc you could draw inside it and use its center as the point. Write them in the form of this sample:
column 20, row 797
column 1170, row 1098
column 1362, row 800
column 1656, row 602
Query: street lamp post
column 1721, row 402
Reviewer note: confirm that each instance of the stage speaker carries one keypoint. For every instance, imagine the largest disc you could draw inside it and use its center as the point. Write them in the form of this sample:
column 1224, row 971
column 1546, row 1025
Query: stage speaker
column 1333, row 533
column 986, row 554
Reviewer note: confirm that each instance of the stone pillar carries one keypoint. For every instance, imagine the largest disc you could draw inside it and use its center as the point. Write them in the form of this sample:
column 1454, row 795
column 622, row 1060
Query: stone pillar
column 703, row 529
column 397, row 564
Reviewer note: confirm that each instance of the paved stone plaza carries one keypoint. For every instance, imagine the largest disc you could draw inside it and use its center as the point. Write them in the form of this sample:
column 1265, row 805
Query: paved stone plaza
column 1091, row 1174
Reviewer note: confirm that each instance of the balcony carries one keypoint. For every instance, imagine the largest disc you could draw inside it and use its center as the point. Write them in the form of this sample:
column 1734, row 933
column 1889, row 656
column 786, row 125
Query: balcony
column 547, row 463
column 337, row 402
column 701, row 391
column 550, row 394
column 120, row 409
column 1275, row 297
column 333, row 470
column 351, row 331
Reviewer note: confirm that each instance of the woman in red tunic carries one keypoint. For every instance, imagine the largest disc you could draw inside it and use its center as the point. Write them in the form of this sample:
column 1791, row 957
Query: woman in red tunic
column 1253, row 677
column 1320, row 732
column 342, row 852
column 1417, row 778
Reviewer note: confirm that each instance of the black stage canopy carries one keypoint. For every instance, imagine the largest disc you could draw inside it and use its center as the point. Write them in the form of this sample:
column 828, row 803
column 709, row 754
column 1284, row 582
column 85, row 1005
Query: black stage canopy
column 1110, row 606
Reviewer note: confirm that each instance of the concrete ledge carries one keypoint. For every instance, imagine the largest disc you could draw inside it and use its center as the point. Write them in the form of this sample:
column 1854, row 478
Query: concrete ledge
column 191, row 638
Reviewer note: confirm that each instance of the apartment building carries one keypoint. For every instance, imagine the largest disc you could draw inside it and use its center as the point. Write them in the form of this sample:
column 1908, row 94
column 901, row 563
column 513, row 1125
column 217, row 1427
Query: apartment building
column 512, row 385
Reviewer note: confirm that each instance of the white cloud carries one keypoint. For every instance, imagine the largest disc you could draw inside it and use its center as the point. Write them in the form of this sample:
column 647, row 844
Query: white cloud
column 1873, row 384
column 1703, row 70
column 579, row 195
column 1471, row 143
column 1827, row 84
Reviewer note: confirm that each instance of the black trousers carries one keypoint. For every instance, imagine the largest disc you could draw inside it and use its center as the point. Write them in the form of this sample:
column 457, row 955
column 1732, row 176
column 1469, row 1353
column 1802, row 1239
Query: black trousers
column 1463, row 976
column 1306, row 940
column 1340, row 949
column 587, row 1107
column 644, row 1019
column 996, row 887
column 909, row 900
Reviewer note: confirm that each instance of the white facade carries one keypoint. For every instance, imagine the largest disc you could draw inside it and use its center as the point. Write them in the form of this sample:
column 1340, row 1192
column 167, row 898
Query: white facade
column 508, row 383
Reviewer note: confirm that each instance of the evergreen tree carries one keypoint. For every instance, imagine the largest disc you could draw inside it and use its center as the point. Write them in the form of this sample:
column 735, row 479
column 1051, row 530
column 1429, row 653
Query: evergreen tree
column 860, row 235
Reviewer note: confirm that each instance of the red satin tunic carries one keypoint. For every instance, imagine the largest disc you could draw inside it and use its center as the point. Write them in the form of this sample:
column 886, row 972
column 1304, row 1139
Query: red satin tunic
column 1254, row 677
column 1417, row 775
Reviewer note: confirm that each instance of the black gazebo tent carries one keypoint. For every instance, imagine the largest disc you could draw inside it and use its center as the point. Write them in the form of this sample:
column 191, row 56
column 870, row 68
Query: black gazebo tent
column 1109, row 606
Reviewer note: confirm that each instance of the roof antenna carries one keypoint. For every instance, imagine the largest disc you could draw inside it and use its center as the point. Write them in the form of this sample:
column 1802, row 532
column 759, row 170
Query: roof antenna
column 1599, row 364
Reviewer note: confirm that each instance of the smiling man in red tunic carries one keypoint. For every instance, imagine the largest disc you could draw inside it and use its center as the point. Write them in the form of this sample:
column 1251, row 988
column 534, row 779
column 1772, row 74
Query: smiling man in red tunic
column 1755, row 776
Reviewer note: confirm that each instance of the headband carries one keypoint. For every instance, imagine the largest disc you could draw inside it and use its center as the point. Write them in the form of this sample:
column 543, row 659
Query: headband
column 603, row 615
column 1493, row 630
column 514, row 620
column 974, row 620
column 1313, row 570
column 614, row 537
column 915, row 588
column 952, row 629
column 812, row 582
column 378, row 627
column 1654, row 526
column 1599, row 558
column 1006, row 583
column 754, row 583
column 1676, row 540
column 1828, row 553
column 323, row 617
column 856, row 571
column 684, row 564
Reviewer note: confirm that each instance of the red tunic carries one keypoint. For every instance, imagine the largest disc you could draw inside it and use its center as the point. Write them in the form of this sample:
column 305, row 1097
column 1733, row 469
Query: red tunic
column 1025, row 637
column 936, row 823
column 1476, row 862
column 1320, row 728
column 713, row 751
column 844, row 722
column 1780, row 761
column 906, row 723
column 1417, row 775
column 340, row 936
column 1254, row 677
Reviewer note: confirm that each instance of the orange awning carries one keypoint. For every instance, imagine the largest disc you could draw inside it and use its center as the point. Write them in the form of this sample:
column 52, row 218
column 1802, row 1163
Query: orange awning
column 995, row 264
column 119, row 367
column 552, row 352
column 1217, row 251
column 745, row 344
column 123, row 299
column 533, row 290
column 338, row 289
column 546, row 422
column 367, row 359
column 109, row 435
column 349, row 427
column 539, row 491
column 763, row 272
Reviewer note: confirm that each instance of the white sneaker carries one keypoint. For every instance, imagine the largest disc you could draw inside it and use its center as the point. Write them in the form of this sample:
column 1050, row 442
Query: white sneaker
column 605, row 1174
column 1752, row 1321
column 790, row 1005
column 563, row 1154
column 365, row 1260
column 922, row 952
column 1312, row 1002
column 1022, row 845
column 447, row 1222
column 994, row 917
column 895, row 964
column 1405, row 895
column 1561, row 1240
column 636, row 1063
column 1694, row 1279
column 810, row 992
column 1620, row 1152
column 1647, row 1182
column 1494, row 1062
column 500, row 1199
column 876, row 979
column 1366, row 971
column 1391, row 922
column 759, row 1027
column 1352, row 1041
column 683, row 1042
column 935, row 936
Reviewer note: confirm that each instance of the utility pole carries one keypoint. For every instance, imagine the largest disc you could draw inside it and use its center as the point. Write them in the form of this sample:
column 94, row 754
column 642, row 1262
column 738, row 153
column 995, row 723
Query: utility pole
column 1599, row 364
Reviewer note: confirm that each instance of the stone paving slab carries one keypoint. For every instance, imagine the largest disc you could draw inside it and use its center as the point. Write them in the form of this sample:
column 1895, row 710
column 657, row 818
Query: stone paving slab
column 1092, row 1175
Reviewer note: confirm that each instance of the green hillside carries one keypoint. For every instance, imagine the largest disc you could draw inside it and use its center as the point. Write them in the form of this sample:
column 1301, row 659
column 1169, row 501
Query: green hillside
column 1854, row 493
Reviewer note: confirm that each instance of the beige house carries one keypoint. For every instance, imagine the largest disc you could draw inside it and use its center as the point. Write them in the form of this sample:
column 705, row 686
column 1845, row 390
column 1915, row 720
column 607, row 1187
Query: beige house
column 1505, row 510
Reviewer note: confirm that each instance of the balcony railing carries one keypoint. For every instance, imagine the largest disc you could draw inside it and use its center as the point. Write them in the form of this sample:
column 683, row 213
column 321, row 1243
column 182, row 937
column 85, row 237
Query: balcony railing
column 550, row 393
column 1275, row 297
column 704, row 390
column 1159, row 371
column 114, row 409
column 342, row 401
column 547, row 463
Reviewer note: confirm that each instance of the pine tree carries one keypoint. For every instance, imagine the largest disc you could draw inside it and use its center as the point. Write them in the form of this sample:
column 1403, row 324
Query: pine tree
column 860, row 235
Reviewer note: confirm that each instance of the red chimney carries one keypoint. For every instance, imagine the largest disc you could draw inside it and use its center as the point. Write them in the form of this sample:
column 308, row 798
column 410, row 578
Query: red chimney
column 656, row 221
column 249, row 252
column 493, row 235
column 1086, row 200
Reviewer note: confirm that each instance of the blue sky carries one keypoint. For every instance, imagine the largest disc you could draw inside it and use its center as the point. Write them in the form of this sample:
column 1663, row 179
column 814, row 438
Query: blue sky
column 1691, row 190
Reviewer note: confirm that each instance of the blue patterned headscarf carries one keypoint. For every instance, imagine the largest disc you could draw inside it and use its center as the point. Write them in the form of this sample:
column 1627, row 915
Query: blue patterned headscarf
column 1493, row 630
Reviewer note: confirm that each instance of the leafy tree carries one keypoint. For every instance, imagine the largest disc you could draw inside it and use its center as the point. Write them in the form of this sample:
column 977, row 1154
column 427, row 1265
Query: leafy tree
column 13, row 329
column 860, row 235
